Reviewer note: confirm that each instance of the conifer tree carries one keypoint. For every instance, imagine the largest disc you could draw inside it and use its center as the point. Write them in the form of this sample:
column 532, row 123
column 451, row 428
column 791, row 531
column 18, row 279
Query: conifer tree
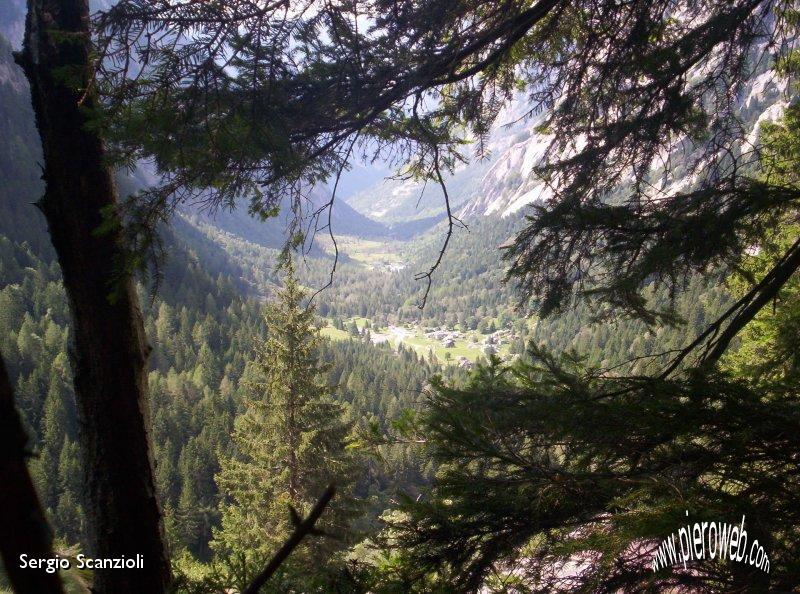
column 290, row 443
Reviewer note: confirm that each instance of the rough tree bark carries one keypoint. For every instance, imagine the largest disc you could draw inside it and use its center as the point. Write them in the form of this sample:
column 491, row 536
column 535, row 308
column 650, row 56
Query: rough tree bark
column 109, row 358
column 23, row 527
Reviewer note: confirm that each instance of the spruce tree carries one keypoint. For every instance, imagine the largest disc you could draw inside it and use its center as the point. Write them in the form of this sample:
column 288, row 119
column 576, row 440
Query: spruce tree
column 290, row 443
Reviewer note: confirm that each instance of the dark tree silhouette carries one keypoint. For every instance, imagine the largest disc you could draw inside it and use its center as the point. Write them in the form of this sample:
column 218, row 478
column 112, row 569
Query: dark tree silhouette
column 109, row 360
column 23, row 526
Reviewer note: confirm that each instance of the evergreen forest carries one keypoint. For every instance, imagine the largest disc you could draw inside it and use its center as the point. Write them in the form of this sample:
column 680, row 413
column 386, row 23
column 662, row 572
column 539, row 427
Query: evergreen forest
column 399, row 297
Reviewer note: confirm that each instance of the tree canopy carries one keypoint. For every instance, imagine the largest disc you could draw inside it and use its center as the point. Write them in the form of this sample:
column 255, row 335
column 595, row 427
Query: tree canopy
column 232, row 99
column 561, row 476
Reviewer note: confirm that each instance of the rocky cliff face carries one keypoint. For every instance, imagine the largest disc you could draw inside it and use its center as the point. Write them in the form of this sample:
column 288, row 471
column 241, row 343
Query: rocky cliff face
column 12, row 21
column 511, row 183
column 507, row 182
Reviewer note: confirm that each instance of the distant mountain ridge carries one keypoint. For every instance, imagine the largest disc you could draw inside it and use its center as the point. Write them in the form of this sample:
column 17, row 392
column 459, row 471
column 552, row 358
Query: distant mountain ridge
column 393, row 201
column 19, row 146
column 501, row 184
column 272, row 232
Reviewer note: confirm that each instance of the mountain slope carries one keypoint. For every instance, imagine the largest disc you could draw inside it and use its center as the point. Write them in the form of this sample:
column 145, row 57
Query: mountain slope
column 20, row 152
column 506, row 182
column 12, row 20
column 272, row 232
column 511, row 183
column 394, row 201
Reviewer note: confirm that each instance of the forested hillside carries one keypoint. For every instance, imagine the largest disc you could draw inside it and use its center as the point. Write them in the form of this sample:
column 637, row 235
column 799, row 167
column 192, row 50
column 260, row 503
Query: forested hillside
column 567, row 328
column 202, row 322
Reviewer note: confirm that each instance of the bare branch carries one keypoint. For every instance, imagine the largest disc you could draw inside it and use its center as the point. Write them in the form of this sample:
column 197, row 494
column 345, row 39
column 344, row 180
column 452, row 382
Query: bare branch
column 329, row 205
column 452, row 221
column 303, row 529
column 742, row 312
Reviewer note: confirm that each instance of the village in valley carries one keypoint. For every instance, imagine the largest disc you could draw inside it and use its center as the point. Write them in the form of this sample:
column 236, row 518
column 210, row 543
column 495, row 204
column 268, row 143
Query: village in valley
column 453, row 346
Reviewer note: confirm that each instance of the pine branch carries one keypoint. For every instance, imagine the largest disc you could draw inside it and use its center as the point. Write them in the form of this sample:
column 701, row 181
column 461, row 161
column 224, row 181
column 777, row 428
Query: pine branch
column 302, row 529
column 765, row 292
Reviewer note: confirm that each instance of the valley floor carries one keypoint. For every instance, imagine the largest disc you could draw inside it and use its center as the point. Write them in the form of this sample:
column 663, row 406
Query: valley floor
column 448, row 345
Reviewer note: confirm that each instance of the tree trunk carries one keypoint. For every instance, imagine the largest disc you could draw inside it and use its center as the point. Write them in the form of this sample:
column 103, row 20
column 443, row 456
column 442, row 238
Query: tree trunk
column 23, row 527
column 109, row 358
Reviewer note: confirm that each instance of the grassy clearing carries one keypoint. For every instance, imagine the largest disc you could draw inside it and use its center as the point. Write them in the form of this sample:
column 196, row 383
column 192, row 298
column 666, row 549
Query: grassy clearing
column 334, row 333
column 423, row 345
column 369, row 252
column 360, row 322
